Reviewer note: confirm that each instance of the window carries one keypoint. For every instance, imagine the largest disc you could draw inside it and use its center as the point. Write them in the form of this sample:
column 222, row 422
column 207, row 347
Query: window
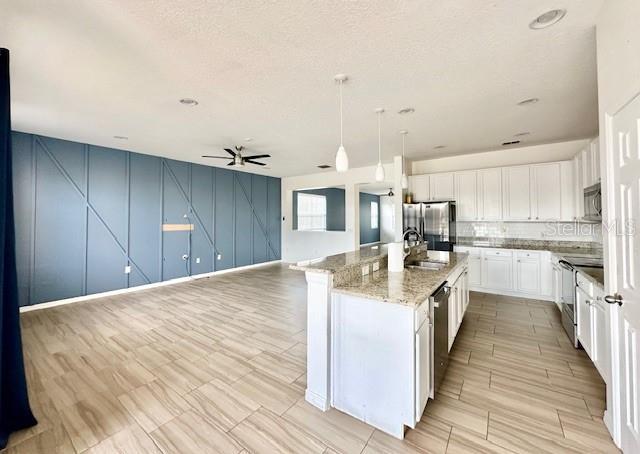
column 312, row 212
column 374, row 215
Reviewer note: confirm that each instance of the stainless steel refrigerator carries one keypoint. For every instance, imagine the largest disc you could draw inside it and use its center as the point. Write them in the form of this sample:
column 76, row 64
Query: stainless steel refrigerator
column 436, row 222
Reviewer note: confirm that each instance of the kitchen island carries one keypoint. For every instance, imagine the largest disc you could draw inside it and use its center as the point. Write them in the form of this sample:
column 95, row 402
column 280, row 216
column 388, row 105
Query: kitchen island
column 370, row 339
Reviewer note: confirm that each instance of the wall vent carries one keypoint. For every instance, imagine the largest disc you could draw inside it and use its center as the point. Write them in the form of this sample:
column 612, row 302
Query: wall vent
column 512, row 142
column 324, row 166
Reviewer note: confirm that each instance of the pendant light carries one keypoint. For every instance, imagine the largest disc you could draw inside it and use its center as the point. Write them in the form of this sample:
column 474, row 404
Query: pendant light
column 405, row 180
column 379, row 168
column 342, row 160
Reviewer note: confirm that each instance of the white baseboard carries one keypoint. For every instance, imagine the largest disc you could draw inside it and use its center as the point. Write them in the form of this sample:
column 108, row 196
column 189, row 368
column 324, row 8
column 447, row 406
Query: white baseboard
column 508, row 293
column 316, row 400
column 139, row 288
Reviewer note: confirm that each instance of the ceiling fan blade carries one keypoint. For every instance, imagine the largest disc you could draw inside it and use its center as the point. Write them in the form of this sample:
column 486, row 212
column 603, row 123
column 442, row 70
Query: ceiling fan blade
column 231, row 152
column 231, row 163
column 254, row 162
column 216, row 157
column 257, row 156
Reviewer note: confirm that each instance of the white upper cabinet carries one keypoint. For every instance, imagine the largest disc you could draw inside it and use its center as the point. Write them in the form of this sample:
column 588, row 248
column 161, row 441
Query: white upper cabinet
column 441, row 186
column 537, row 192
column 467, row 195
column 490, row 194
column 419, row 187
column 517, row 193
column 546, row 195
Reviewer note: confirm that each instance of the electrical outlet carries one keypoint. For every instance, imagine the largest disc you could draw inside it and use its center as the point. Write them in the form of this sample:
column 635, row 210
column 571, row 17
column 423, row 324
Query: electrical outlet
column 365, row 270
column 376, row 266
column 197, row 259
column 219, row 256
column 127, row 269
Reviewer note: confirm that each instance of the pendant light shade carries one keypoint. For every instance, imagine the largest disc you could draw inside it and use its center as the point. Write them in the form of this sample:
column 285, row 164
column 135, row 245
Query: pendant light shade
column 405, row 180
column 342, row 159
column 379, row 172
column 379, row 167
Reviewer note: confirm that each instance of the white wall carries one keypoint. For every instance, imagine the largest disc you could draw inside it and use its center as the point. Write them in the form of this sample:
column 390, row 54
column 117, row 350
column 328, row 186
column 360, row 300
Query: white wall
column 300, row 245
column 559, row 151
column 387, row 219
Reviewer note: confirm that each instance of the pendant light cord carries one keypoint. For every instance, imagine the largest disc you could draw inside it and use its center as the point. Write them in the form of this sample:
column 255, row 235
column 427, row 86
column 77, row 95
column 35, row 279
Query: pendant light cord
column 403, row 136
column 341, row 144
column 379, row 139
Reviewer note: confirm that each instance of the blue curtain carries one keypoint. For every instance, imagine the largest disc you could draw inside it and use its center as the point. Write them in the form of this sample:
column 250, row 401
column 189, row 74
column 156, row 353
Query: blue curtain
column 15, row 413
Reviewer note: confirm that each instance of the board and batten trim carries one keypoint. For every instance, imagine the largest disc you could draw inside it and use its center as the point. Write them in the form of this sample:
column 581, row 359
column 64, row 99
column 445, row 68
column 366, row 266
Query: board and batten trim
column 85, row 214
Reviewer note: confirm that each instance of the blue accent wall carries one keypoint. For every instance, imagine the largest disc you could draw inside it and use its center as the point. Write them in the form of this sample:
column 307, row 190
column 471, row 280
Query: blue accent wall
column 84, row 213
column 335, row 207
column 367, row 234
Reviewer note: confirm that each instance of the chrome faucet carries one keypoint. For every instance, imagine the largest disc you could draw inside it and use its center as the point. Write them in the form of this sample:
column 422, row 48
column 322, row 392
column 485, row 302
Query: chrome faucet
column 407, row 248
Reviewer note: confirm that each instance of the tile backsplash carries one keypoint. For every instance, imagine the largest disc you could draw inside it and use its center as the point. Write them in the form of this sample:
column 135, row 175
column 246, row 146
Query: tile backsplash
column 560, row 231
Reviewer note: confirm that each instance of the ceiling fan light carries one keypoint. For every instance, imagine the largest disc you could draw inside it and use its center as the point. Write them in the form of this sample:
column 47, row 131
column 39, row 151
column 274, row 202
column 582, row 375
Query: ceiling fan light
column 405, row 181
column 379, row 172
column 342, row 160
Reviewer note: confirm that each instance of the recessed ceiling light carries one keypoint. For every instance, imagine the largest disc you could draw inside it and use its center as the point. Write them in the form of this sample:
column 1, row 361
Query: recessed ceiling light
column 529, row 101
column 406, row 110
column 121, row 137
column 439, row 147
column 189, row 102
column 511, row 142
column 324, row 166
column 522, row 134
column 548, row 19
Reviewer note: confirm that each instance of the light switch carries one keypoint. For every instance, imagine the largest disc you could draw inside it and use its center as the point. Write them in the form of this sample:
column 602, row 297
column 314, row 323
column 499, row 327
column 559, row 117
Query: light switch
column 197, row 259
column 127, row 269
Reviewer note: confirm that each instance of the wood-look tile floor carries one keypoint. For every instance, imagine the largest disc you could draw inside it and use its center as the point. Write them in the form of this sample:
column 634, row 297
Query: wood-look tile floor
column 218, row 366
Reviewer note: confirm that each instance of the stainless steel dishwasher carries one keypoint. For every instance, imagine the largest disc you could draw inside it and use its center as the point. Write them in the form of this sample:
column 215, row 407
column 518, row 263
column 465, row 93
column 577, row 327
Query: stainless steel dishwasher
column 439, row 313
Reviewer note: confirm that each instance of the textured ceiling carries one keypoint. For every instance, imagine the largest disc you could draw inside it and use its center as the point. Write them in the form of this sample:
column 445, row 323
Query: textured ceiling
column 89, row 70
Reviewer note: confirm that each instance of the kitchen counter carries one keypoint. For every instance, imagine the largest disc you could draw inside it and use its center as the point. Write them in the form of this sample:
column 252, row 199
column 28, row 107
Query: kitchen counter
column 341, row 262
column 410, row 287
column 572, row 248
column 595, row 275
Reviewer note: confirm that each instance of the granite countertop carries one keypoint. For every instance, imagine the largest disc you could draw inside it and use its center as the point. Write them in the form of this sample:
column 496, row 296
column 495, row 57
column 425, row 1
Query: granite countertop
column 339, row 262
column 595, row 275
column 409, row 288
column 573, row 248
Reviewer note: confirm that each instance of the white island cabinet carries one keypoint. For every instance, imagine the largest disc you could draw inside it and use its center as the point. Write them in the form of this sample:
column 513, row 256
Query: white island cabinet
column 382, row 352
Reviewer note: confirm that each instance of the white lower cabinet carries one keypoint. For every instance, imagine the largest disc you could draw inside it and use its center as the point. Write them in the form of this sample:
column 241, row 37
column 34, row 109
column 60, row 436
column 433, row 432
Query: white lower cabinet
column 593, row 325
column 497, row 269
column 423, row 367
column 583, row 305
column 528, row 272
column 458, row 302
column 525, row 273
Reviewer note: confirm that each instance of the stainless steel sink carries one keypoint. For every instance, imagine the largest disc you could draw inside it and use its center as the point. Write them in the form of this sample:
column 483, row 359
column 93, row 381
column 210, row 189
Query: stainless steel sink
column 425, row 265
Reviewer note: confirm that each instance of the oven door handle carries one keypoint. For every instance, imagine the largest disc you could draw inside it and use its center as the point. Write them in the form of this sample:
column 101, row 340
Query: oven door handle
column 566, row 265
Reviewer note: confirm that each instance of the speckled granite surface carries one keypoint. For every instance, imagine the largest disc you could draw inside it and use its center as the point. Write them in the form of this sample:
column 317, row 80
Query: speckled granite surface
column 595, row 275
column 409, row 288
column 561, row 247
column 339, row 262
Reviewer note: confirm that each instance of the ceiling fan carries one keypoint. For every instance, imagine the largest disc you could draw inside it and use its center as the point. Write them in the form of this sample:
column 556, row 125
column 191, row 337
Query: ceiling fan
column 237, row 160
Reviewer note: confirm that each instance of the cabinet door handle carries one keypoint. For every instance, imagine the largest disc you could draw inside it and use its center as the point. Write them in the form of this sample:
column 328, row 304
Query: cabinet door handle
column 614, row 299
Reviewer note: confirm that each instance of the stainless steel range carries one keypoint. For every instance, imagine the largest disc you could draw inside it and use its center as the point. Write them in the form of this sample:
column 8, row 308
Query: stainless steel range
column 569, row 266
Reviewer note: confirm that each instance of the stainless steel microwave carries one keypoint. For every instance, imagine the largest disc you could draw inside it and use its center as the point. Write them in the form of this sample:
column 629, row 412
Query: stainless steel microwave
column 593, row 203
